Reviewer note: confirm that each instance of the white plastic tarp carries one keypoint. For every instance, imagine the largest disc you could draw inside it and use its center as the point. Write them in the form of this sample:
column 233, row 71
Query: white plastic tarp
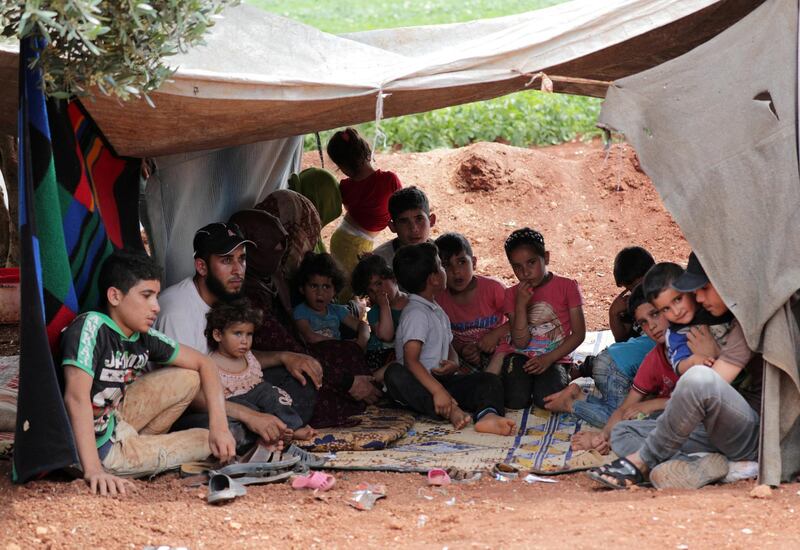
column 190, row 190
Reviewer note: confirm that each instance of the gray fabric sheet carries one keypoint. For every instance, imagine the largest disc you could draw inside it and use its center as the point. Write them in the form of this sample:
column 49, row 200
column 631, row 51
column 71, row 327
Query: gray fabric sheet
column 726, row 168
column 188, row 191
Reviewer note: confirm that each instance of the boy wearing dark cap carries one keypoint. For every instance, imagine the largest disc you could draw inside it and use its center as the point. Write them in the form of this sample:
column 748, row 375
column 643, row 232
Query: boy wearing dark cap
column 711, row 421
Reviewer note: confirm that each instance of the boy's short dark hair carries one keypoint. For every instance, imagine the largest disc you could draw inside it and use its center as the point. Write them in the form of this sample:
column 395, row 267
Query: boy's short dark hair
column 635, row 300
column 452, row 244
column 408, row 198
column 348, row 149
column 319, row 264
column 366, row 268
column 631, row 263
column 413, row 264
column 123, row 269
column 658, row 278
column 224, row 314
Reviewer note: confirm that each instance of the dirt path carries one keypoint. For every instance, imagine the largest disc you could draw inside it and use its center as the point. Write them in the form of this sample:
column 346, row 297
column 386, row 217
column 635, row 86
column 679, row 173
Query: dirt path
column 488, row 514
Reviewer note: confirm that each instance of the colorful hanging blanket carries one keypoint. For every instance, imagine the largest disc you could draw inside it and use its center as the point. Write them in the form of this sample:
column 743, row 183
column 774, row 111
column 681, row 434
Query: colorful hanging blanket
column 78, row 201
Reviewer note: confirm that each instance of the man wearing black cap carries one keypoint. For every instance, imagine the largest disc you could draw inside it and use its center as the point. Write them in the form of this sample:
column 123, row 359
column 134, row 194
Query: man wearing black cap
column 219, row 262
column 220, row 254
column 711, row 421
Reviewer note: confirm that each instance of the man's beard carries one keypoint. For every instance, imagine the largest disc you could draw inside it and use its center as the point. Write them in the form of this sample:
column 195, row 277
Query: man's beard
column 216, row 288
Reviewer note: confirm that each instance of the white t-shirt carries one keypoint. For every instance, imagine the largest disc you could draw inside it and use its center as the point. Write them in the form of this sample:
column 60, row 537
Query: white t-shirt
column 183, row 315
column 427, row 322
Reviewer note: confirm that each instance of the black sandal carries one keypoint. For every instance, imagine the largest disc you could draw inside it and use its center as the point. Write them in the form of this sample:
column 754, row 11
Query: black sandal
column 622, row 471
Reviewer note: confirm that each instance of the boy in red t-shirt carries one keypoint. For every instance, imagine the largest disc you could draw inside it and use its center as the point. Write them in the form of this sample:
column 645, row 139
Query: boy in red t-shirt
column 652, row 385
column 474, row 304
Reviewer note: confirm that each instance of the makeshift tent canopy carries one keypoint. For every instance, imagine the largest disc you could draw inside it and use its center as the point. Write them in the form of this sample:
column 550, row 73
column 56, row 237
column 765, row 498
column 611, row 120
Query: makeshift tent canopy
column 263, row 77
column 716, row 130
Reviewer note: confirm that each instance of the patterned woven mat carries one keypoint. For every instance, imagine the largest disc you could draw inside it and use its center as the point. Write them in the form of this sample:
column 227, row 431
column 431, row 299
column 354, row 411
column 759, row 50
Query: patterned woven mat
column 541, row 444
column 377, row 428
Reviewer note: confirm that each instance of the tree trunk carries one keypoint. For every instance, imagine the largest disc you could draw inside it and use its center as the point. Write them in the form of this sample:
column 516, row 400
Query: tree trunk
column 9, row 166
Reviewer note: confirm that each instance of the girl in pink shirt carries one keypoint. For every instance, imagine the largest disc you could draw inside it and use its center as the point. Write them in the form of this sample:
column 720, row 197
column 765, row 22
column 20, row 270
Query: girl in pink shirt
column 547, row 323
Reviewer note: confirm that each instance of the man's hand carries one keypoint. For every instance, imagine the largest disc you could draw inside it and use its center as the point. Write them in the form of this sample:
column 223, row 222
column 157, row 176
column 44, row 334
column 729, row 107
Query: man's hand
column 538, row 364
column 633, row 412
column 299, row 365
column 222, row 444
column 702, row 342
column 364, row 390
column 268, row 427
column 445, row 368
column 443, row 403
column 100, row 481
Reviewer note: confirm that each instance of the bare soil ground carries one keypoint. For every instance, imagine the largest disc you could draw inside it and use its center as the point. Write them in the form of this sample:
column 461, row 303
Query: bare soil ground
column 588, row 207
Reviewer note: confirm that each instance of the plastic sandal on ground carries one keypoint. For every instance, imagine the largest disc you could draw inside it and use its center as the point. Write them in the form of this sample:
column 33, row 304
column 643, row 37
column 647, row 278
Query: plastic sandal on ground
column 438, row 477
column 222, row 488
column 315, row 480
column 621, row 474
column 309, row 459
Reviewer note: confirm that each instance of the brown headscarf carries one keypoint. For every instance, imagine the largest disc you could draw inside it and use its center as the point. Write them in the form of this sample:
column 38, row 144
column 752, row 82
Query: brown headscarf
column 265, row 259
column 301, row 222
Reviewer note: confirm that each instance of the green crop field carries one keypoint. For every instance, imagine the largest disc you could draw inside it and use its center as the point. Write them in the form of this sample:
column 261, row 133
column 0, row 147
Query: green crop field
column 522, row 119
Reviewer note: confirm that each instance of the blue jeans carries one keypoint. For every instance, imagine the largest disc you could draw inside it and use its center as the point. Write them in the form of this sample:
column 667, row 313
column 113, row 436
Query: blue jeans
column 612, row 384
column 704, row 414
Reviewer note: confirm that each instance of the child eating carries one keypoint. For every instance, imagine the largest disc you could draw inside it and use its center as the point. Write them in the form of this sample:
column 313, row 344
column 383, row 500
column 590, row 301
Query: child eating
column 318, row 280
column 372, row 277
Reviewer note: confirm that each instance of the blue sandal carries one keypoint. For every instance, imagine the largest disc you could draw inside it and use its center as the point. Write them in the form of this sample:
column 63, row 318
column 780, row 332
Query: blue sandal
column 621, row 474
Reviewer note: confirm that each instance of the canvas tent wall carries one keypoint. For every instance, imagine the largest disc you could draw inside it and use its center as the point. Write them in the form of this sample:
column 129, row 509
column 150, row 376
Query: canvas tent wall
column 716, row 130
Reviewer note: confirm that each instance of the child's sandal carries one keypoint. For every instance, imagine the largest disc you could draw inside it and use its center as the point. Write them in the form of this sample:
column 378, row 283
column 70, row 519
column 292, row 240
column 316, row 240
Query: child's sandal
column 621, row 474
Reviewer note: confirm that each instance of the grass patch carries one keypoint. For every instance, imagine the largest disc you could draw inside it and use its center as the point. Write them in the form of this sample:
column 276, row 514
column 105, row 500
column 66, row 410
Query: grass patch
column 339, row 16
column 522, row 119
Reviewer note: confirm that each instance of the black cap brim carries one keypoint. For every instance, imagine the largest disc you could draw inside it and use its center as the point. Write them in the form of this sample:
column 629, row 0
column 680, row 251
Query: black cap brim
column 689, row 282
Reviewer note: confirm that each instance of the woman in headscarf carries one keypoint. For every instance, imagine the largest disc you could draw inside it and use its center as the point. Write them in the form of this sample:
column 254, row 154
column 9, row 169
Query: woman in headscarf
column 347, row 385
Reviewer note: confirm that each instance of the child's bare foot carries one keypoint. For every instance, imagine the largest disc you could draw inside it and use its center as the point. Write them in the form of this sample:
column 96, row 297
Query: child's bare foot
column 304, row 434
column 590, row 441
column 562, row 401
column 458, row 418
column 495, row 424
column 582, row 441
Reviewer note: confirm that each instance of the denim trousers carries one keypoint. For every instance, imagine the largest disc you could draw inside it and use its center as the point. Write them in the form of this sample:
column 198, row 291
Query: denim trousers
column 704, row 414
column 613, row 386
